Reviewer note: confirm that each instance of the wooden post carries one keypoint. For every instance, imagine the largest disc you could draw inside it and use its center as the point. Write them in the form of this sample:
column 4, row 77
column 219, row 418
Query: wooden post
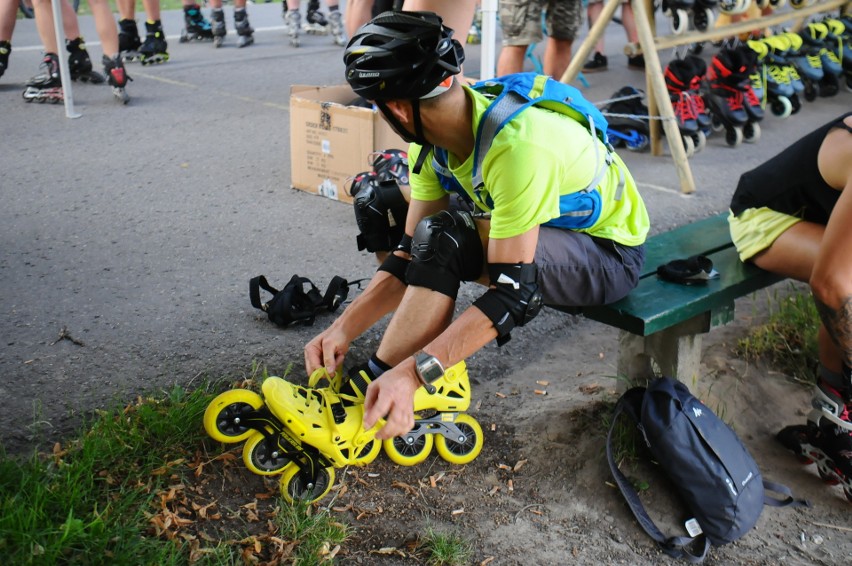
column 657, row 86
column 580, row 56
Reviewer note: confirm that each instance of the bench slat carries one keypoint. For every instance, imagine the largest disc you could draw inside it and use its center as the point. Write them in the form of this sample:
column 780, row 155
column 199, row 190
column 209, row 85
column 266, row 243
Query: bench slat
column 655, row 305
column 699, row 238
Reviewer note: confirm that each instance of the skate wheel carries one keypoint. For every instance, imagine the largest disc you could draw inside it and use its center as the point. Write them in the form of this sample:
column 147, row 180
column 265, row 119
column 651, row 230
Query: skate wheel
column 407, row 453
column 263, row 456
column 734, row 136
column 716, row 124
column 827, row 476
column 462, row 450
column 711, row 17
column 797, row 105
column 781, row 107
column 640, row 144
column 680, row 21
column 294, row 486
column 700, row 139
column 369, row 453
column 688, row 145
column 223, row 416
column 751, row 132
column 811, row 91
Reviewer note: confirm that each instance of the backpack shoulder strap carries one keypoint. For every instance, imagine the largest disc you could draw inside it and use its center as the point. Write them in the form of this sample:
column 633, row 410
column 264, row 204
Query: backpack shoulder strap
column 786, row 501
column 679, row 547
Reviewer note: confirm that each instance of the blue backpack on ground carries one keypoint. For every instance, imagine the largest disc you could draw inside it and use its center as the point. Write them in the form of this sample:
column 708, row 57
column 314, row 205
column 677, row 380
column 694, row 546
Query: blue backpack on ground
column 512, row 94
column 713, row 471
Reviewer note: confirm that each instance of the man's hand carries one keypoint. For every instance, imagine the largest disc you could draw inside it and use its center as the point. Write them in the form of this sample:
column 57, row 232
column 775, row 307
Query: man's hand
column 326, row 350
column 392, row 396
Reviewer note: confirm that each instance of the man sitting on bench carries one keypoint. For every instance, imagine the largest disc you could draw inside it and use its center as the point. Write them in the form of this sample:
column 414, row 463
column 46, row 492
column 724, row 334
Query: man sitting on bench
column 790, row 216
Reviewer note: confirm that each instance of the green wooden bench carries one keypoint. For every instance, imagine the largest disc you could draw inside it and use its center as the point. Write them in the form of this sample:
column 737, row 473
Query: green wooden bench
column 664, row 321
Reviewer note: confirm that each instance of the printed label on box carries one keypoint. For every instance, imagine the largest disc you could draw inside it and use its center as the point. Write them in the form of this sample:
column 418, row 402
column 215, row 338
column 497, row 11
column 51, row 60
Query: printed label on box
column 328, row 189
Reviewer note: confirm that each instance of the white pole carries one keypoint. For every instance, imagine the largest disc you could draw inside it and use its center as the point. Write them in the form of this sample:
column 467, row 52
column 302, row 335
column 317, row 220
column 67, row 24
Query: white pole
column 64, row 73
column 488, row 64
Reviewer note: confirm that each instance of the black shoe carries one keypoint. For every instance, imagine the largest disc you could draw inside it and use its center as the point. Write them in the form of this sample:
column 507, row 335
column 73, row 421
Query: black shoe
column 637, row 62
column 597, row 63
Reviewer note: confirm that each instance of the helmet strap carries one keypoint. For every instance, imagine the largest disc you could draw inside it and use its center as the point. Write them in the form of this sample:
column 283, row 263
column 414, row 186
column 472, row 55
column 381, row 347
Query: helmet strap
column 418, row 137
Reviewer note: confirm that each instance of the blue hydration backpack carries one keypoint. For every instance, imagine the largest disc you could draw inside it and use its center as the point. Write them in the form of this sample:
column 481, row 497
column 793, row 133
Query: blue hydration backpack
column 713, row 472
column 512, row 94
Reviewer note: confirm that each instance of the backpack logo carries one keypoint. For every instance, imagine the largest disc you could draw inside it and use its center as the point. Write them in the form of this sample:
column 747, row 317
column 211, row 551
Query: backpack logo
column 697, row 412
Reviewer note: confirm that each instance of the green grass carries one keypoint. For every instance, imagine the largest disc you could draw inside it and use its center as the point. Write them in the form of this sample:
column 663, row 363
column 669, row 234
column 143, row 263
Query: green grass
column 93, row 500
column 445, row 549
column 789, row 338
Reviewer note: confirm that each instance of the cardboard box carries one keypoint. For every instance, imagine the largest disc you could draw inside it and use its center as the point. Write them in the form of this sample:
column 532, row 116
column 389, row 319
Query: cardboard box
column 330, row 142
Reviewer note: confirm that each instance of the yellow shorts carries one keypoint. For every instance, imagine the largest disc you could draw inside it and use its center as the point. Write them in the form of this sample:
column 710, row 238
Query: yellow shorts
column 757, row 228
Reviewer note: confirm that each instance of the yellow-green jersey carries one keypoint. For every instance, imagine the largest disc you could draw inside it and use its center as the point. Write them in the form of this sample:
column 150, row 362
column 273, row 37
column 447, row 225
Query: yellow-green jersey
column 535, row 171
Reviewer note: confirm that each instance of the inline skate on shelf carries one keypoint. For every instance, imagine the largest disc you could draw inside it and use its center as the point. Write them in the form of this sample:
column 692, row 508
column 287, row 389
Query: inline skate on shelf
column 47, row 85
column 196, row 27
column 777, row 90
column 682, row 78
column 627, row 119
column 80, row 64
column 724, row 95
column 678, row 12
column 304, row 433
column 155, row 48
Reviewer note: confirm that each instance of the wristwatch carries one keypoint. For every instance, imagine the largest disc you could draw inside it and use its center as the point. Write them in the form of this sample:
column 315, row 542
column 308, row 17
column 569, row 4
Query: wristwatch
column 428, row 368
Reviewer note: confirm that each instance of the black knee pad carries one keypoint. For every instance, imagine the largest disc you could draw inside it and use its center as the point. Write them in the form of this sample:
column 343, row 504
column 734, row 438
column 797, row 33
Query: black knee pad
column 445, row 251
column 380, row 210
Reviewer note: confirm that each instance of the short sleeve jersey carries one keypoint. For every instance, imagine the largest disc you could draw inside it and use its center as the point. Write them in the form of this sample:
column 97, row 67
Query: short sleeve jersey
column 534, row 159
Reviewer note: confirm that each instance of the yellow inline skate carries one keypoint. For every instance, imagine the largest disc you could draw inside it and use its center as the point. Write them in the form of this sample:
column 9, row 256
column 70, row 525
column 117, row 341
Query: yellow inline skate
column 440, row 419
column 300, row 433
column 304, row 433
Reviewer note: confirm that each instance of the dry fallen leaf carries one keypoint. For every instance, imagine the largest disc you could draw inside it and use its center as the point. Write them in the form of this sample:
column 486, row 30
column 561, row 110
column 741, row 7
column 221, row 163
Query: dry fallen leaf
column 590, row 388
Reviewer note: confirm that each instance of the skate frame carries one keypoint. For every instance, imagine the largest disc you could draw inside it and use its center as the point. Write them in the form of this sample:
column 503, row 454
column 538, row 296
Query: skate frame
column 659, row 104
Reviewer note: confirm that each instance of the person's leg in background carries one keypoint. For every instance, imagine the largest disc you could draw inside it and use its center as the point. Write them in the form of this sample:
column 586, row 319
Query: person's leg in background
column 8, row 17
column 564, row 18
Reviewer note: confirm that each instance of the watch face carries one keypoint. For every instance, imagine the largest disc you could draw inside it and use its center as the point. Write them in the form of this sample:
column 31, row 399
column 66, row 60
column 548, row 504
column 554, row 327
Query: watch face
column 429, row 367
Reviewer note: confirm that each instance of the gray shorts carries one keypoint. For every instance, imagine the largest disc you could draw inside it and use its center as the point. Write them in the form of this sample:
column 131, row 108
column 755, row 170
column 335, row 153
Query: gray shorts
column 520, row 20
column 575, row 269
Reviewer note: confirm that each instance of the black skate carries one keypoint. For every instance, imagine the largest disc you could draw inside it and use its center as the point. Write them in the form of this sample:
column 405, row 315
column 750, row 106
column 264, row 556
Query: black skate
column 5, row 50
column 117, row 76
column 47, row 85
column 128, row 40
column 155, row 48
column 79, row 63
column 827, row 445
column 627, row 119
column 196, row 28
column 678, row 11
column 315, row 23
column 826, row 439
column 245, row 32
column 217, row 27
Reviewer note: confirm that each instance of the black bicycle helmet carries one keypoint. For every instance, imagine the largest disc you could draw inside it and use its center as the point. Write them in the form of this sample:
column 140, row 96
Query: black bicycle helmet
column 401, row 55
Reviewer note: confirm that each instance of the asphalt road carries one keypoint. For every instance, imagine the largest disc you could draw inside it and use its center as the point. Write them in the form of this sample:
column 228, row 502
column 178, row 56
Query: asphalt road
column 128, row 236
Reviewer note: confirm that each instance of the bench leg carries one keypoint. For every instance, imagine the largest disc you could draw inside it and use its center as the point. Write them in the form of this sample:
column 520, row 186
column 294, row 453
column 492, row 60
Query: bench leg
column 675, row 352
